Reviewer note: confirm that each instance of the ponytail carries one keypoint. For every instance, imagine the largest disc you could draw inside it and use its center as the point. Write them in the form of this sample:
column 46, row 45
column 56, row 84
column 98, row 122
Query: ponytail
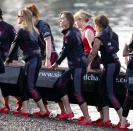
column 110, row 32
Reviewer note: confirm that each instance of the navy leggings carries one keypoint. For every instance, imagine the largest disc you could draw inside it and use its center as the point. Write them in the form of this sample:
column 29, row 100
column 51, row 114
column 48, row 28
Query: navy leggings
column 28, row 78
column 128, row 103
column 61, row 86
column 129, row 98
column 108, row 83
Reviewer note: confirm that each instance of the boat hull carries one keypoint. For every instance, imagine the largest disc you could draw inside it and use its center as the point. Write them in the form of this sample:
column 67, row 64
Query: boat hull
column 47, row 78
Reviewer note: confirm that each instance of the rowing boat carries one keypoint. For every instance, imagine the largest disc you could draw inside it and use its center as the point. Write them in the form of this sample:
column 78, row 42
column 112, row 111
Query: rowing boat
column 47, row 78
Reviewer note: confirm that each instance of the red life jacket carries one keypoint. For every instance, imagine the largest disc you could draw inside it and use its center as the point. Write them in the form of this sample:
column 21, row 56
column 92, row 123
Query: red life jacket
column 87, row 48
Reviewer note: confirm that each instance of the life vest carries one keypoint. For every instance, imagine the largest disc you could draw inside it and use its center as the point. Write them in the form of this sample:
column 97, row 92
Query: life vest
column 86, row 45
column 111, row 44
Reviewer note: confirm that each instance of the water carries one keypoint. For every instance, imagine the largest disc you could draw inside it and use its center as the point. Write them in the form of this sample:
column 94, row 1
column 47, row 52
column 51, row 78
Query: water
column 120, row 13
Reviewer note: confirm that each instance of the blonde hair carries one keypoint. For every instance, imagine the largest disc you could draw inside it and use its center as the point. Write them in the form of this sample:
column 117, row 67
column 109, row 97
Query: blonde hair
column 81, row 14
column 33, row 8
column 27, row 22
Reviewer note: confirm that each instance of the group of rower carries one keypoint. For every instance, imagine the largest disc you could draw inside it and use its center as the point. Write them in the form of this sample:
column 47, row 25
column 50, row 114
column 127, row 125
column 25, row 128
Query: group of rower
column 82, row 44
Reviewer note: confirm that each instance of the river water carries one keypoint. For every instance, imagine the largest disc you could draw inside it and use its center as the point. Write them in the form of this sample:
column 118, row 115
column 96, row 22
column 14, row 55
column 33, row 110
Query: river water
column 120, row 13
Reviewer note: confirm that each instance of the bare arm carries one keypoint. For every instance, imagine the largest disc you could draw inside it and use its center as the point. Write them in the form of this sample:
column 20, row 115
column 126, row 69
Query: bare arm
column 48, row 50
column 47, row 35
column 125, row 53
column 94, row 51
column 89, row 35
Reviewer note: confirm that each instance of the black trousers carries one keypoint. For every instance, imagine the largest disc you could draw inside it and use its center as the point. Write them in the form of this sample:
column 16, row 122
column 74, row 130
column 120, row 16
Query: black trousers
column 61, row 86
column 27, row 79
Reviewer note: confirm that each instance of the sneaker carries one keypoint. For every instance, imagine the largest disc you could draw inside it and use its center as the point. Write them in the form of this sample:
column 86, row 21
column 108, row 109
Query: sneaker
column 47, row 114
column 70, row 115
column 65, row 116
column 123, row 129
column 16, row 112
column 80, row 118
column 97, row 121
column 5, row 110
column 38, row 114
column 106, row 124
column 118, row 127
column 119, row 124
column 57, row 116
column 85, row 122
column 25, row 114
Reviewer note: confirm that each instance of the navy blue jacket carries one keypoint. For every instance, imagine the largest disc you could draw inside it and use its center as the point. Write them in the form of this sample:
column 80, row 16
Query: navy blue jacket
column 45, row 31
column 7, row 35
column 28, row 44
column 106, row 57
column 72, row 48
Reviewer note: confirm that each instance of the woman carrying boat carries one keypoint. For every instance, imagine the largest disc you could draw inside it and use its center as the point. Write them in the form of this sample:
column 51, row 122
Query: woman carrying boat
column 7, row 34
column 27, row 39
column 73, row 51
column 48, row 51
column 45, row 34
column 82, row 21
column 111, row 65
column 127, row 52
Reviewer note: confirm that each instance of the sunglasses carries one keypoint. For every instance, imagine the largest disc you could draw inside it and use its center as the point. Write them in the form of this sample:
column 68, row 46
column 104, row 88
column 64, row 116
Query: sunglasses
column 20, row 16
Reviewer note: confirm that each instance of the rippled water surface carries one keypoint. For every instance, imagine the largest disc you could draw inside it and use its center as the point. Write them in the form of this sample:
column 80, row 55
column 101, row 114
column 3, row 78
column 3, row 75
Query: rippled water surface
column 120, row 13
